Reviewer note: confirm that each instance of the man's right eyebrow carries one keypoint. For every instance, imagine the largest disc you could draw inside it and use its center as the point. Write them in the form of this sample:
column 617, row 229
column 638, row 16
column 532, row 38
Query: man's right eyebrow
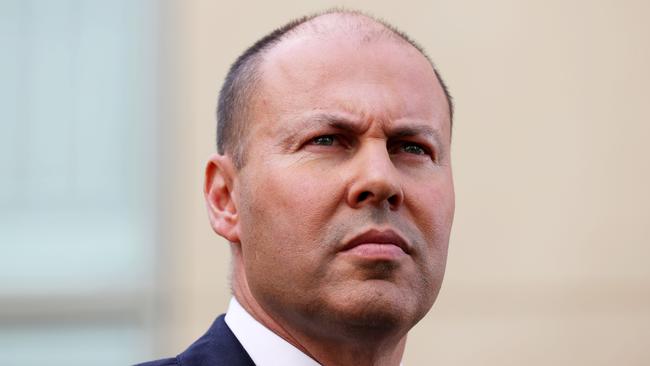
column 316, row 121
column 337, row 121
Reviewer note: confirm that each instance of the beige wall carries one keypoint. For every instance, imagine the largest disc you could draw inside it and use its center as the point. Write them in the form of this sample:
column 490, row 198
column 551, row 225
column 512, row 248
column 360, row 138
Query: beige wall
column 549, row 253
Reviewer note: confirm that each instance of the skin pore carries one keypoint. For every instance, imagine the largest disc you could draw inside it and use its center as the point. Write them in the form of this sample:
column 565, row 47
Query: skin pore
column 350, row 137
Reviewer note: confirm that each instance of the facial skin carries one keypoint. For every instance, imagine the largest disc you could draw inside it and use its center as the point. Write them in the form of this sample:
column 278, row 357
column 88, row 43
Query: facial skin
column 349, row 137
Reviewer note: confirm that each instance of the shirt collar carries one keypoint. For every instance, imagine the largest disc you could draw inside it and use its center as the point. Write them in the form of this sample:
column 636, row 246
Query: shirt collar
column 263, row 346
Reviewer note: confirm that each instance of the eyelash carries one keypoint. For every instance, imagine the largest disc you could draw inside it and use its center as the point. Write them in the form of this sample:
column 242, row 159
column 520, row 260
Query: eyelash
column 333, row 137
column 424, row 150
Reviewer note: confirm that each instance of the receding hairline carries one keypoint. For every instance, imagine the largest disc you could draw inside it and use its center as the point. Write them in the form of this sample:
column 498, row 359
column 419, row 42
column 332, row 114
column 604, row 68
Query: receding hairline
column 344, row 22
column 348, row 23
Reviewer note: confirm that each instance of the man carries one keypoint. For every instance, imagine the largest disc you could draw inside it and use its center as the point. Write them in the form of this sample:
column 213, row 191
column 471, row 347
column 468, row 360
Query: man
column 333, row 185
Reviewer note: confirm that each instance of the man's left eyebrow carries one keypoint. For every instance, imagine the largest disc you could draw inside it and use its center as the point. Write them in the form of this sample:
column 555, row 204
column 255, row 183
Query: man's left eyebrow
column 416, row 130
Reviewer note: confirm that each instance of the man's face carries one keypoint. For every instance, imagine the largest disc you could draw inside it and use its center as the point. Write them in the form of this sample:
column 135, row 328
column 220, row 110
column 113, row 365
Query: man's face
column 346, row 198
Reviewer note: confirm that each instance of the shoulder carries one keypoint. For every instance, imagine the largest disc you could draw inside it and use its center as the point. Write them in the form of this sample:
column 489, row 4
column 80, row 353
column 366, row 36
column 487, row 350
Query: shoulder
column 218, row 346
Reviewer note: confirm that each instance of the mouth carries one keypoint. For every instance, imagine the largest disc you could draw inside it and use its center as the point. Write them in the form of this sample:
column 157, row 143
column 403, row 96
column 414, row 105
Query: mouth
column 377, row 244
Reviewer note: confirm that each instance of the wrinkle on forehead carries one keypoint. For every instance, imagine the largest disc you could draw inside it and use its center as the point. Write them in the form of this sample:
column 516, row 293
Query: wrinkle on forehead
column 301, row 63
column 341, row 25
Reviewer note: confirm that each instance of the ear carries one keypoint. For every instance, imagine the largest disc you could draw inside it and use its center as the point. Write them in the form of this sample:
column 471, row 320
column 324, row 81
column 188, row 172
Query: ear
column 220, row 177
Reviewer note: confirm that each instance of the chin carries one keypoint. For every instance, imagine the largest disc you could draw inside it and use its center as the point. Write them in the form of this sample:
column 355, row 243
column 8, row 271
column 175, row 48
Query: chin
column 380, row 311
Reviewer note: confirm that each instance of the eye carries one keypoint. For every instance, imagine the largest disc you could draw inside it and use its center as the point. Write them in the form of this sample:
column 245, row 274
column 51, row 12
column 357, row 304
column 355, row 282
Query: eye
column 325, row 140
column 326, row 143
column 413, row 148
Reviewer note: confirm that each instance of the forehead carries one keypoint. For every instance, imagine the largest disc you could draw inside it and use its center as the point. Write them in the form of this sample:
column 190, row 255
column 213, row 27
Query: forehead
column 377, row 76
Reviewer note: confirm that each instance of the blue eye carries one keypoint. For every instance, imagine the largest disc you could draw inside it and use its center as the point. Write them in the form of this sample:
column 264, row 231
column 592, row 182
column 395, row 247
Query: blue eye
column 326, row 140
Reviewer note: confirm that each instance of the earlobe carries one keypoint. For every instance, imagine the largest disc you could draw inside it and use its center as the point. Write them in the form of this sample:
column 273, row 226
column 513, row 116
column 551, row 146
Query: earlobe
column 220, row 178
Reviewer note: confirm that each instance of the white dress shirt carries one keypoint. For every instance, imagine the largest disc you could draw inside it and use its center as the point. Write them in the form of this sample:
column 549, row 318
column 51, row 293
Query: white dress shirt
column 265, row 347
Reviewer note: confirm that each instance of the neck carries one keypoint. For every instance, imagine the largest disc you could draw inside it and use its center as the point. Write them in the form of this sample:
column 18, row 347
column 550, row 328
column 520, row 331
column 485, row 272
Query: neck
column 364, row 353
column 352, row 347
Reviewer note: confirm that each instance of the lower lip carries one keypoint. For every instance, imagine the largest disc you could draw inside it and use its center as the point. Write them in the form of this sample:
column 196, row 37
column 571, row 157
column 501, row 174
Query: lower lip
column 375, row 251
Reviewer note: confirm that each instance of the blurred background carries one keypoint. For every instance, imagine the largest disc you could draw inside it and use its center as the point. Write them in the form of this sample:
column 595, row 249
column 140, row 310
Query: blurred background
column 107, row 118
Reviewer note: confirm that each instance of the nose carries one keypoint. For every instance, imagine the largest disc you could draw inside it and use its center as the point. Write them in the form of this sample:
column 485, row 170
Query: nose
column 374, row 179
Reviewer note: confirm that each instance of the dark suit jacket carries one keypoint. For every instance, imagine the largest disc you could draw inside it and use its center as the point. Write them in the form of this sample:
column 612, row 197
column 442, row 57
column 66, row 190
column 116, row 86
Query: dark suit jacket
column 217, row 347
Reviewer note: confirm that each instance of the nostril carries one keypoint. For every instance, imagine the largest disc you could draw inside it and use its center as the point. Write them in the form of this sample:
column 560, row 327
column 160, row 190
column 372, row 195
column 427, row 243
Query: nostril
column 363, row 196
column 393, row 200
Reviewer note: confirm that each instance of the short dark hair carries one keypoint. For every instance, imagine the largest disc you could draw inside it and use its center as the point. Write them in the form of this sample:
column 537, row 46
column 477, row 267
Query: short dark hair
column 242, row 78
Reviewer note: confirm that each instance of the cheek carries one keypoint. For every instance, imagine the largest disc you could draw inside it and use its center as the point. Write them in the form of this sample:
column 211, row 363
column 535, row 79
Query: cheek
column 284, row 212
column 432, row 206
column 304, row 189
column 432, row 209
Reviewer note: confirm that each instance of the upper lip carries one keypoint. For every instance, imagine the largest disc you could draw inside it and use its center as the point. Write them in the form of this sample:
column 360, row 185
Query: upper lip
column 375, row 236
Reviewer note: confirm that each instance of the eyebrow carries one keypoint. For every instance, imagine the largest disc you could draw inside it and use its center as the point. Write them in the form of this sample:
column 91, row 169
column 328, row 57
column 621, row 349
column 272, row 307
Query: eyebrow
column 337, row 121
column 316, row 121
column 417, row 130
column 344, row 123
